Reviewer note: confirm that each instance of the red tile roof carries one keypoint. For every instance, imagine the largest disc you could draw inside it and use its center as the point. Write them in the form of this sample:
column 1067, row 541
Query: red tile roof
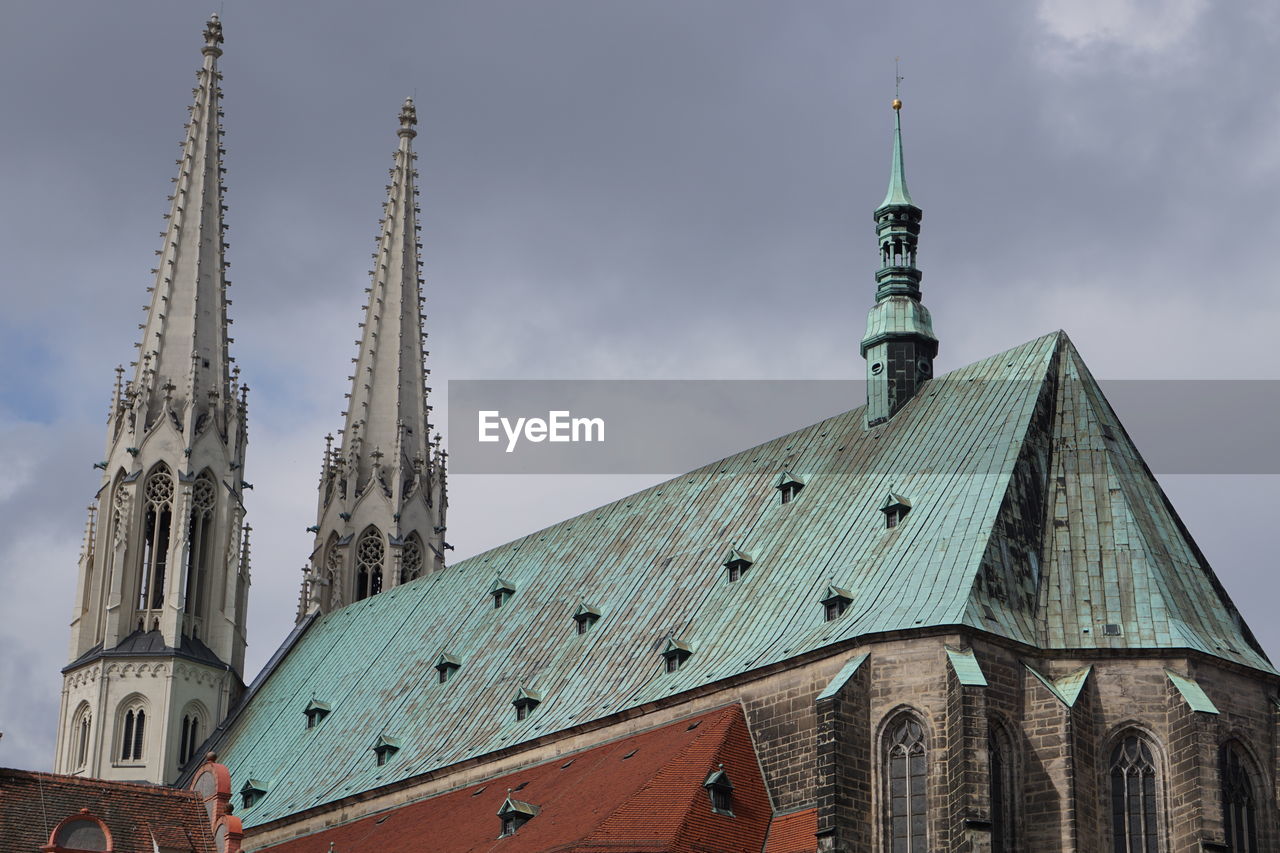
column 793, row 833
column 642, row 793
column 138, row 816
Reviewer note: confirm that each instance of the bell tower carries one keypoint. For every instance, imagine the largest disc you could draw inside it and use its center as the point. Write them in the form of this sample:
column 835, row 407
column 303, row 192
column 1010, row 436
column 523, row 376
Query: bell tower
column 899, row 345
column 380, row 517
column 158, row 628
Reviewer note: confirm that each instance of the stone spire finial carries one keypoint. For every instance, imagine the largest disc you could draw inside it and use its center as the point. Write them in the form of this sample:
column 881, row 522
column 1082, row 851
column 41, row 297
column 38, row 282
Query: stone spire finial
column 408, row 118
column 899, row 345
column 213, row 36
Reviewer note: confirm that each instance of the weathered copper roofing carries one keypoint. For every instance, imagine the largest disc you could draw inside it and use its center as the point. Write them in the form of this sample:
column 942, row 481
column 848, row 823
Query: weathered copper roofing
column 965, row 665
column 1034, row 519
column 1192, row 692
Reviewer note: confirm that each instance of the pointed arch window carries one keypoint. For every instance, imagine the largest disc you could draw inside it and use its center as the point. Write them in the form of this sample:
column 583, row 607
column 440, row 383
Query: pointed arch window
column 133, row 729
column 1002, row 789
column 1134, row 805
column 204, row 494
column 192, row 735
column 157, row 524
column 411, row 558
column 906, row 763
column 1239, row 806
column 371, row 552
column 333, row 571
column 80, row 733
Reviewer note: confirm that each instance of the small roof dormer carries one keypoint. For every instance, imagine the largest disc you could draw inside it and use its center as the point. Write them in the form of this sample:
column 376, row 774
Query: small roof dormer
column 316, row 711
column 736, row 564
column 895, row 508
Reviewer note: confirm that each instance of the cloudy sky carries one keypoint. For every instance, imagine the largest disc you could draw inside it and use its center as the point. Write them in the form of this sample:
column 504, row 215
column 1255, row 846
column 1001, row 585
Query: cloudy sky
column 659, row 189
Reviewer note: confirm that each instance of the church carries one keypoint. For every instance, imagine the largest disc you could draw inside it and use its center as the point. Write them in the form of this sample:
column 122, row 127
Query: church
column 961, row 616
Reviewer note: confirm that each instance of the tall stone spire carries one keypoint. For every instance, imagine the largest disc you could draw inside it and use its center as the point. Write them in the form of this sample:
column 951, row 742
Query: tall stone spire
column 184, row 340
column 899, row 345
column 381, row 514
column 163, row 582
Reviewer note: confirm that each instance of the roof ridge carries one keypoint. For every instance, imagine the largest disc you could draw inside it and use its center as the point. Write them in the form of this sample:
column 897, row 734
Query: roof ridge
column 90, row 782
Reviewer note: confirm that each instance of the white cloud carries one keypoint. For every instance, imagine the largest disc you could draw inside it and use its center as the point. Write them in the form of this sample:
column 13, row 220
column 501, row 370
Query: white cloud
column 1137, row 26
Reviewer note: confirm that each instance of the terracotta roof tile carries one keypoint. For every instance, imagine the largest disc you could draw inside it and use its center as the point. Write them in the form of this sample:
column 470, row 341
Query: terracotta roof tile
column 32, row 804
column 640, row 793
column 794, row 833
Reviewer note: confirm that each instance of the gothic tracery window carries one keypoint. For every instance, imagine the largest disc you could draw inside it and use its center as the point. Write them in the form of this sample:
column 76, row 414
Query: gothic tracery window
column 906, row 766
column 370, row 553
column 411, row 559
column 1239, row 807
column 157, row 522
column 200, row 542
column 1134, row 805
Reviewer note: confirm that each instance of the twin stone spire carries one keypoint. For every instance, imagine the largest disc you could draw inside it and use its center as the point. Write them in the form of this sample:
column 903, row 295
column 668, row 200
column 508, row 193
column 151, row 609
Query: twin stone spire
column 164, row 570
column 159, row 624
column 381, row 515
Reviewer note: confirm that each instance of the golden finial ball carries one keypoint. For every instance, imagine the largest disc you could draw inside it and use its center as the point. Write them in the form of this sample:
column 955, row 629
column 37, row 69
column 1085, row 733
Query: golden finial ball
column 897, row 104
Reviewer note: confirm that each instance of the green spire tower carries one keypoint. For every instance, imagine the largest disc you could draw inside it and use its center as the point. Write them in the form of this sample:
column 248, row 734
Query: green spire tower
column 899, row 345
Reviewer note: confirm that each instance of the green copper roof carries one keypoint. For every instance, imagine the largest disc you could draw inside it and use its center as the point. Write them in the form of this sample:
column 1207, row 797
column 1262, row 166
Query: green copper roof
column 1192, row 692
column 897, row 193
column 842, row 677
column 1068, row 687
column 1028, row 522
column 966, row 668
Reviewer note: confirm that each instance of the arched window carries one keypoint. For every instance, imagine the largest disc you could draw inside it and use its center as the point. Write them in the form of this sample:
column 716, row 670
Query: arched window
column 333, row 571
column 1239, row 806
column 133, row 727
column 157, row 521
column 192, row 734
column 411, row 558
column 80, row 732
column 204, row 493
column 370, row 552
column 1135, row 817
column 81, row 831
column 906, row 775
column 1003, row 789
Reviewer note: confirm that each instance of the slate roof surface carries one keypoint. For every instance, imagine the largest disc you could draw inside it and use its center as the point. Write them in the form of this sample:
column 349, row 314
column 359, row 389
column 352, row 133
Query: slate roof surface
column 638, row 793
column 150, row 644
column 139, row 816
column 1033, row 518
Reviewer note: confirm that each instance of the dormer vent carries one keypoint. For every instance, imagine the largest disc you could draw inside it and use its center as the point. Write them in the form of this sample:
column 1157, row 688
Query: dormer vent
column 502, row 590
column 446, row 666
column 385, row 747
column 251, row 792
column 316, row 711
column 788, row 485
column 515, row 814
column 526, row 700
column 720, row 790
column 675, row 653
column 585, row 616
column 736, row 564
column 895, row 508
column 835, row 602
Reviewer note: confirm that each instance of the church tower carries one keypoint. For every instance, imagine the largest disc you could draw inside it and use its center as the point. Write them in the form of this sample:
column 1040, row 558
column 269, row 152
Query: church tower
column 158, row 630
column 899, row 345
column 381, row 515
